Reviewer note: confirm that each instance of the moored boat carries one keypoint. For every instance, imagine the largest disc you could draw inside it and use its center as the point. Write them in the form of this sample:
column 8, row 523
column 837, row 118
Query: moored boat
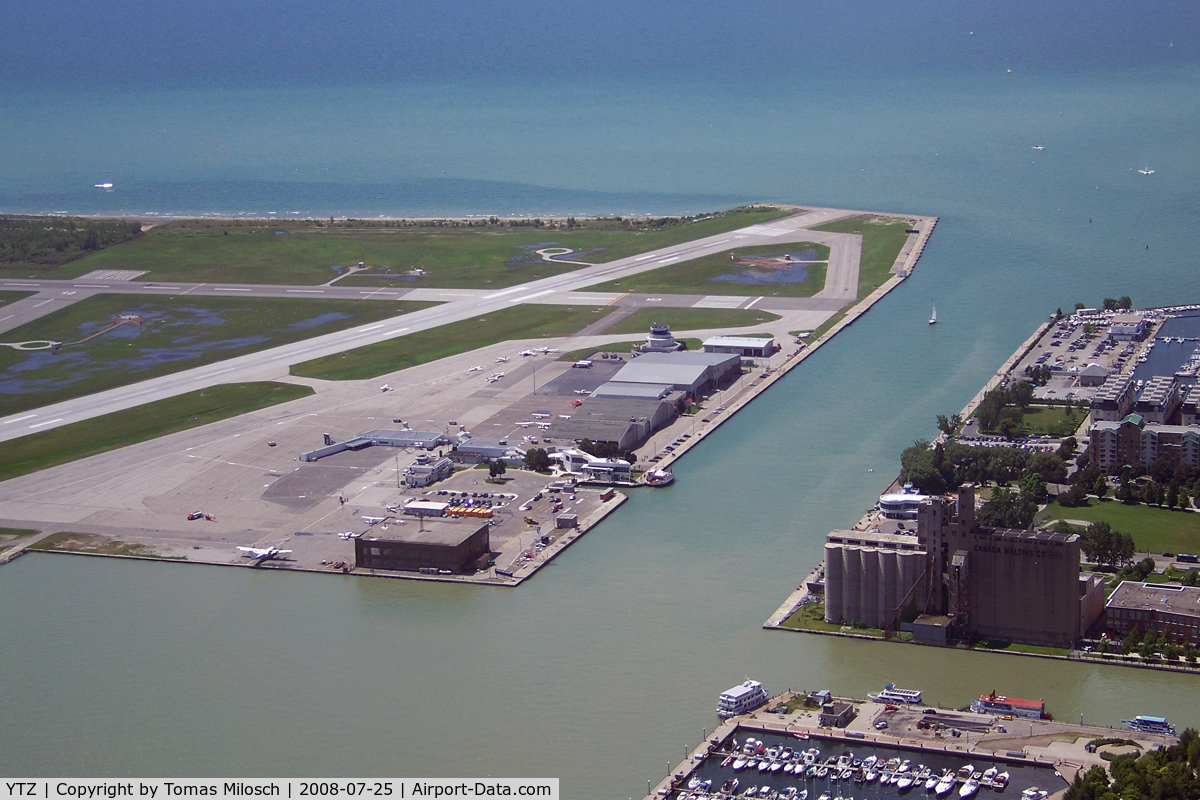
column 969, row 788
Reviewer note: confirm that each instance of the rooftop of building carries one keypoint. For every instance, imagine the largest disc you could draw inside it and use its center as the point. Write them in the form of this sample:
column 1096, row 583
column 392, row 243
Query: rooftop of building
column 384, row 435
column 874, row 538
column 1030, row 537
column 738, row 341
column 647, row 391
column 683, row 368
column 1156, row 597
column 1113, row 387
column 1158, row 389
column 426, row 530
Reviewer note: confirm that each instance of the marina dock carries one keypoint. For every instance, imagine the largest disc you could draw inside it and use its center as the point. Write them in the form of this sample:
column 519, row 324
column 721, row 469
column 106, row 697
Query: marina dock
column 1036, row 753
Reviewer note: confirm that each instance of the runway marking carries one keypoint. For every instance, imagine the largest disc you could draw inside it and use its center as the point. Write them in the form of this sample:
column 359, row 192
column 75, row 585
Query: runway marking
column 719, row 301
column 194, row 288
column 369, row 295
column 501, row 294
column 18, row 419
column 47, row 422
column 307, row 291
column 531, row 296
column 39, row 305
column 25, row 285
column 643, row 258
column 398, row 330
column 371, row 327
column 765, row 230
column 719, row 241
column 669, row 259
column 619, row 299
column 10, row 316
column 752, row 302
column 229, row 289
column 89, row 286
column 222, row 371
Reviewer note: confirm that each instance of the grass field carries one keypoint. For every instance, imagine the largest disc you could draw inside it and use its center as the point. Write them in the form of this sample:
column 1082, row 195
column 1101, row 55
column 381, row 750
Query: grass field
column 1057, row 421
column 518, row 322
column 220, row 251
column 93, row 544
column 110, row 431
column 12, row 297
column 691, row 319
column 10, row 535
column 883, row 238
column 1154, row 530
column 177, row 334
column 699, row 276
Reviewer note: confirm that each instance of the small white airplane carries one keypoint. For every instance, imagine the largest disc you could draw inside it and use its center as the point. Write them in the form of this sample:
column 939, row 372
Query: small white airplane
column 526, row 353
column 387, row 387
column 262, row 553
column 373, row 520
column 583, row 391
column 1038, row 147
column 502, row 360
column 547, row 350
column 349, row 535
column 475, row 369
column 543, row 425
column 525, row 424
column 1146, row 171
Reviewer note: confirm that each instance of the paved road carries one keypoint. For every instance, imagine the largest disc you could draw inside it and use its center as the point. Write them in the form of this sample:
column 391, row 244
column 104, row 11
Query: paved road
column 459, row 305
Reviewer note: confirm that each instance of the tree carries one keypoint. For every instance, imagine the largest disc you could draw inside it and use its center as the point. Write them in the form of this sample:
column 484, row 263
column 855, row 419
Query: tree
column 1172, row 495
column 1152, row 494
column 1110, row 304
column 1067, row 447
column 1007, row 509
column 1022, row 394
column 1124, row 303
column 1127, row 493
column 917, row 468
column 1049, row 465
column 948, row 425
column 1033, row 487
column 1074, row 497
column 1101, row 488
column 537, row 459
column 497, row 468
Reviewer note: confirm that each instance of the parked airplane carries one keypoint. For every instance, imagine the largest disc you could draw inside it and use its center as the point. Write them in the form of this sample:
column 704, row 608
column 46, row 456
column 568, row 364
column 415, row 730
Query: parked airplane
column 475, row 369
column 373, row 520
column 526, row 353
column 387, row 387
column 349, row 535
column 262, row 553
column 547, row 350
column 502, row 360
column 525, row 424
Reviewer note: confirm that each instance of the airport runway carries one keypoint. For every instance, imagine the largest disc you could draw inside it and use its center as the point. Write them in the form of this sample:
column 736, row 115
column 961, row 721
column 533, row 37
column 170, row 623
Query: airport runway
column 457, row 305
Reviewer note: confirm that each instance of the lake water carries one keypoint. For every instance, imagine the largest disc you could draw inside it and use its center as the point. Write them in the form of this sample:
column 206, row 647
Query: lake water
column 607, row 664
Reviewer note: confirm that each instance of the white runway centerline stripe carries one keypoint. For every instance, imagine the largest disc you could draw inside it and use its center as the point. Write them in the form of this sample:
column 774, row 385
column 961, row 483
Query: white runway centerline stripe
column 229, row 289
column 47, row 422
column 668, row 259
column 90, row 286
column 371, row 327
column 307, row 291
column 531, row 296
column 502, row 294
column 19, row 419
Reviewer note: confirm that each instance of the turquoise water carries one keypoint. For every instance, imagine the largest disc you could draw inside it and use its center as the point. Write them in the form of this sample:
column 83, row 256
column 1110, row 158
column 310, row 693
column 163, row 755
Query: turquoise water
column 604, row 667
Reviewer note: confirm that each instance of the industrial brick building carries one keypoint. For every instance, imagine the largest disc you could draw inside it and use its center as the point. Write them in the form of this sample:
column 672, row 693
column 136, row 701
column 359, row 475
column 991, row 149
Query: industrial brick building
column 1170, row 609
column 433, row 544
column 1019, row 586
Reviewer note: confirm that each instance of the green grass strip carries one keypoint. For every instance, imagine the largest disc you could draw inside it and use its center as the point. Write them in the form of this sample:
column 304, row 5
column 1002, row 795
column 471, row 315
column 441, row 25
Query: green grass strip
column 46, row 449
column 1154, row 530
column 519, row 322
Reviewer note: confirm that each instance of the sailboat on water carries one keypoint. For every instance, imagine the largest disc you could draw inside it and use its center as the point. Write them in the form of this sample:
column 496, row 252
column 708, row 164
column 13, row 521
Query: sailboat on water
column 932, row 314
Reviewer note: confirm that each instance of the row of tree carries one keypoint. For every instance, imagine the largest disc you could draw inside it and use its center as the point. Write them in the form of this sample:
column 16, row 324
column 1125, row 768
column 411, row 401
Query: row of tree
column 946, row 466
column 50, row 241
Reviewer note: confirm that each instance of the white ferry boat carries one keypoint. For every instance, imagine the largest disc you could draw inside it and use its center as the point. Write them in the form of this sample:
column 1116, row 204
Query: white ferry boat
column 660, row 477
column 891, row 694
column 741, row 699
column 1149, row 725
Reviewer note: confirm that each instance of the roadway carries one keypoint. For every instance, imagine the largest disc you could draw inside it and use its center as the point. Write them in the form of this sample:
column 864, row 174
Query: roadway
column 456, row 305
